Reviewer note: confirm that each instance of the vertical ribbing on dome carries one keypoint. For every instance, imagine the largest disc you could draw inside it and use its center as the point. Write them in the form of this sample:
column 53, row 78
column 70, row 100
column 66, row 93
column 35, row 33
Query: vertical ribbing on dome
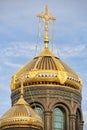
column 46, row 63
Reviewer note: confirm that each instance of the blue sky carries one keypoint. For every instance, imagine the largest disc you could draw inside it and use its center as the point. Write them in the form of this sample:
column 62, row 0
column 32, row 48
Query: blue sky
column 18, row 38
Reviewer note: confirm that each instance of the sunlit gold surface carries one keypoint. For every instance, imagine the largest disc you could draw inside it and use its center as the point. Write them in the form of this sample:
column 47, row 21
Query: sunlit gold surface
column 46, row 67
column 20, row 115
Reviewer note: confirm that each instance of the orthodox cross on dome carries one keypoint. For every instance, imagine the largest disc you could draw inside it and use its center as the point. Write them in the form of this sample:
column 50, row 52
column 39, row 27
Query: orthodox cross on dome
column 46, row 18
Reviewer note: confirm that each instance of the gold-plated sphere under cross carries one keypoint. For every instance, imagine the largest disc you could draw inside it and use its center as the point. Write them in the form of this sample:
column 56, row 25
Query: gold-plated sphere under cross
column 46, row 18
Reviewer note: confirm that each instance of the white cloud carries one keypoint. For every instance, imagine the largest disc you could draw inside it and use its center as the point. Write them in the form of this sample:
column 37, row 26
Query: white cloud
column 17, row 49
column 25, row 49
column 73, row 51
column 12, row 64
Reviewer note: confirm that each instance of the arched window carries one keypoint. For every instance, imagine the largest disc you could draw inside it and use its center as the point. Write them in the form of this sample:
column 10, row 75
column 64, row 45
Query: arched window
column 59, row 119
column 39, row 111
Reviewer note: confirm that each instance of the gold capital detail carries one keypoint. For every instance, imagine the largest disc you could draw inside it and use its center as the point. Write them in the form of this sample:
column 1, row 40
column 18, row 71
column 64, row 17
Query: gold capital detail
column 46, row 18
column 62, row 77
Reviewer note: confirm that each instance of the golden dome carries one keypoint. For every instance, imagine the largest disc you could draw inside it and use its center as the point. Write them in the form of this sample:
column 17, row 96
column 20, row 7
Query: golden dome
column 46, row 69
column 21, row 115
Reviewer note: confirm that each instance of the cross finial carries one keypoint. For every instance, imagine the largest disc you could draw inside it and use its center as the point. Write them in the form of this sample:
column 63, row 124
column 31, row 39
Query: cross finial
column 46, row 18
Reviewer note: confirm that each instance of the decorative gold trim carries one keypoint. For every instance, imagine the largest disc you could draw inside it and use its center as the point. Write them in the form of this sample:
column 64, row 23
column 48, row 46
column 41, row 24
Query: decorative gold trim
column 62, row 76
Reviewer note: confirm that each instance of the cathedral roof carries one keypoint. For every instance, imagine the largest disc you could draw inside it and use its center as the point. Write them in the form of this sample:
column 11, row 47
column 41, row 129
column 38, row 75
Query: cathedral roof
column 21, row 115
column 46, row 68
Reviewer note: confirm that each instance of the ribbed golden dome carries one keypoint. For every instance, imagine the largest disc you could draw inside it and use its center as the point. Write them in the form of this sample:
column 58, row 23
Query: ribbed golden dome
column 21, row 115
column 46, row 69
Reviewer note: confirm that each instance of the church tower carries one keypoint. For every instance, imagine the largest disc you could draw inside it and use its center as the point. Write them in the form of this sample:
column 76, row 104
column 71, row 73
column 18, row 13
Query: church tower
column 50, row 86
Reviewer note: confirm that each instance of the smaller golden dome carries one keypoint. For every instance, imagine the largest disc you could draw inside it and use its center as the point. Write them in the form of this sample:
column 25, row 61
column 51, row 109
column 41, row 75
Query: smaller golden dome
column 21, row 115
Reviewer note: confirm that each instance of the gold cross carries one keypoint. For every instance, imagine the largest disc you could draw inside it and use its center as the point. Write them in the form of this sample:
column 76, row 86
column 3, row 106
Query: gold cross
column 46, row 18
